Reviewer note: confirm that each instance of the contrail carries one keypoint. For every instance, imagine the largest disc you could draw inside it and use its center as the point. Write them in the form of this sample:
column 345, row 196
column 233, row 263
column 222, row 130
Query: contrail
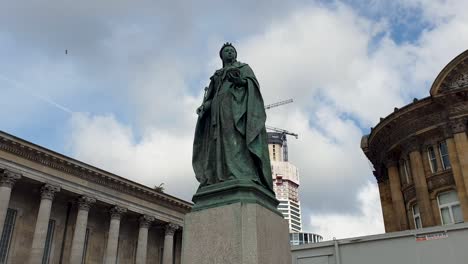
column 37, row 96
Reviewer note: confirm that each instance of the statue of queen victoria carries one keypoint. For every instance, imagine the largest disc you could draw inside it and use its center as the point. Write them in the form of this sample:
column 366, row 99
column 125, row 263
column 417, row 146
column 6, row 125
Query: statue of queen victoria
column 230, row 138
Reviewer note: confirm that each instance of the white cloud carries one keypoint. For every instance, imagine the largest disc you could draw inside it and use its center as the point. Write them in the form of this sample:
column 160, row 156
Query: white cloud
column 160, row 157
column 367, row 221
column 323, row 53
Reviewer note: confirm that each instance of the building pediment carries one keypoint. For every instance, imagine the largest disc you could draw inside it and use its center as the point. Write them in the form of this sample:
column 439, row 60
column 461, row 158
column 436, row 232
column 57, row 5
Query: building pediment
column 453, row 77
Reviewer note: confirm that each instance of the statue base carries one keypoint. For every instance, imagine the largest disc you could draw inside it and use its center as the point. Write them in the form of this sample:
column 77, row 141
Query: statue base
column 234, row 191
column 236, row 233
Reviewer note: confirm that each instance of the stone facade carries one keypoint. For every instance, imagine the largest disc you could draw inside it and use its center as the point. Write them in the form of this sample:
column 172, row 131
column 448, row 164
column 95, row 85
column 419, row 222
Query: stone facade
column 61, row 210
column 420, row 155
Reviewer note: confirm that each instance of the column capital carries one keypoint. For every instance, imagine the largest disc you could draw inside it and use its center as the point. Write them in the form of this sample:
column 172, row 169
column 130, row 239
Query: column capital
column 391, row 161
column 378, row 176
column 117, row 211
column 447, row 130
column 171, row 228
column 48, row 191
column 145, row 220
column 8, row 178
column 85, row 202
column 458, row 125
column 412, row 144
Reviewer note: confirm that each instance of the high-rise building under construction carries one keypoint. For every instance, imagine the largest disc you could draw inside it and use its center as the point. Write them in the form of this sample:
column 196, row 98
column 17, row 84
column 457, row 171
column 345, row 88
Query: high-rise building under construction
column 285, row 181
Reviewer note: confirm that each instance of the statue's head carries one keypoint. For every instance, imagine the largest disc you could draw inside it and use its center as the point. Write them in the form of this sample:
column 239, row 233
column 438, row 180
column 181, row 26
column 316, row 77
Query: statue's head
column 228, row 53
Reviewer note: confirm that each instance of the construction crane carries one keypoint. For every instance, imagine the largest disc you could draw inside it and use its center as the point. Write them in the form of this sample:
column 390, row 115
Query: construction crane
column 278, row 103
column 281, row 133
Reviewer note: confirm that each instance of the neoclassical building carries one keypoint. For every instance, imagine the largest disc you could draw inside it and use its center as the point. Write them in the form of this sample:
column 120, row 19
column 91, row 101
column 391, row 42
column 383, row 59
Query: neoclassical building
column 420, row 155
column 54, row 209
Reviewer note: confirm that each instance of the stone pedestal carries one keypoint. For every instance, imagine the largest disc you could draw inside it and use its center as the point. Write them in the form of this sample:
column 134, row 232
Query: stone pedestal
column 236, row 233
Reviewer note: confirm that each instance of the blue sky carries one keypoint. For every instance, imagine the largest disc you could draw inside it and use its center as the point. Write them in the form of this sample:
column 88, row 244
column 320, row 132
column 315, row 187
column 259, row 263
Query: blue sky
column 124, row 96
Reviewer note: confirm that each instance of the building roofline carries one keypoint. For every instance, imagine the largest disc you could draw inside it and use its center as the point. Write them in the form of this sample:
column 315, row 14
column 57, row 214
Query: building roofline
column 396, row 113
column 76, row 164
column 446, row 70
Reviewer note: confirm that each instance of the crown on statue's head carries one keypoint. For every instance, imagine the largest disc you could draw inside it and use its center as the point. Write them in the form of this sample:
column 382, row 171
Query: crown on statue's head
column 227, row 44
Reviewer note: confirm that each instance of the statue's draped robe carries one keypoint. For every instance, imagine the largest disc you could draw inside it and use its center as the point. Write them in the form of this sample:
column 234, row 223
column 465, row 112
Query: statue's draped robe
column 230, row 137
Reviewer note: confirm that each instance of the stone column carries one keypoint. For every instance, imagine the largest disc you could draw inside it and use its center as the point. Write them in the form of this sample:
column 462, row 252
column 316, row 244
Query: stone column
column 145, row 221
column 169, row 243
column 76, row 254
column 385, row 201
column 7, row 181
column 459, row 129
column 42, row 223
column 397, row 196
column 458, row 177
column 420, row 185
column 113, row 237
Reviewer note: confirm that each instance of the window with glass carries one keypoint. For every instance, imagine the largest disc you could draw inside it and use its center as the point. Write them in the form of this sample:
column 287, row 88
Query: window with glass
column 404, row 172
column 7, row 233
column 444, row 156
column 432, row 159
column 417, row 216
column 85, row 248
column 449, row 207
column 48, row 242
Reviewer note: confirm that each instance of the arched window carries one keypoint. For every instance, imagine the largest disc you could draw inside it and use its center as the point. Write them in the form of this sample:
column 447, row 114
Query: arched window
column 431, row 155
column 416, row 216
column 449, row 206
column 444, row 156
column 405, row 176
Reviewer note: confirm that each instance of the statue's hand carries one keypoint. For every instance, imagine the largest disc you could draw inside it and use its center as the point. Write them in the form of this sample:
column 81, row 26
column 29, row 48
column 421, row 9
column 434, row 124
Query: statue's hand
column 234, row 76
column 239, row 82
column 200, row 110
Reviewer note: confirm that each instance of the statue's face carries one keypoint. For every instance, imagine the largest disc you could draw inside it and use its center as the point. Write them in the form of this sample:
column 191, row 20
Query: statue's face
column 229, row 54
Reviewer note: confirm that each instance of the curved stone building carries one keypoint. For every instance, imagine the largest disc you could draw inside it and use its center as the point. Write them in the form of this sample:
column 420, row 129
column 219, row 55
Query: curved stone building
column 420, row 155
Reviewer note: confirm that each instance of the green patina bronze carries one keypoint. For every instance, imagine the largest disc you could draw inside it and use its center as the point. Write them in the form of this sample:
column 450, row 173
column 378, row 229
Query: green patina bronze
column 230, row 150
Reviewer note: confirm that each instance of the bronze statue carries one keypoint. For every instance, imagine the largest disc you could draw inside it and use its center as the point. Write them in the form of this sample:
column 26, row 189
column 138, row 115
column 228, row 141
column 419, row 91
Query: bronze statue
column 230, row 137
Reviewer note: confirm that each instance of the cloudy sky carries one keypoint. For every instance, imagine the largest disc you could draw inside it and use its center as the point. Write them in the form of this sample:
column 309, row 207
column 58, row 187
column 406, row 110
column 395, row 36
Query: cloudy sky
column 124, row 97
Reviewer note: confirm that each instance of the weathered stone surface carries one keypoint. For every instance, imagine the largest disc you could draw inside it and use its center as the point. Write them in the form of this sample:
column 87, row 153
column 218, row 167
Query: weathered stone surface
column 234, row 234
column 233, row 191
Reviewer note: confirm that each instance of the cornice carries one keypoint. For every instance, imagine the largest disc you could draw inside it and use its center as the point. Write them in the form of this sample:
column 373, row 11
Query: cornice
column 59, row 162
column 397, row 133
column 446, row 106
column 403, row 112
column 453, row 76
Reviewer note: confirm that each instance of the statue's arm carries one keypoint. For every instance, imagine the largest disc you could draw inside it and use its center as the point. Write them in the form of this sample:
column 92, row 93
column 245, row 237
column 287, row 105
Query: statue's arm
column 206, row 105
column 208, row 96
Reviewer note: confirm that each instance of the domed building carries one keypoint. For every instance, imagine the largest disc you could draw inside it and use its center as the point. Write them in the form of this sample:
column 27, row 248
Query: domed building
column 420, row 155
